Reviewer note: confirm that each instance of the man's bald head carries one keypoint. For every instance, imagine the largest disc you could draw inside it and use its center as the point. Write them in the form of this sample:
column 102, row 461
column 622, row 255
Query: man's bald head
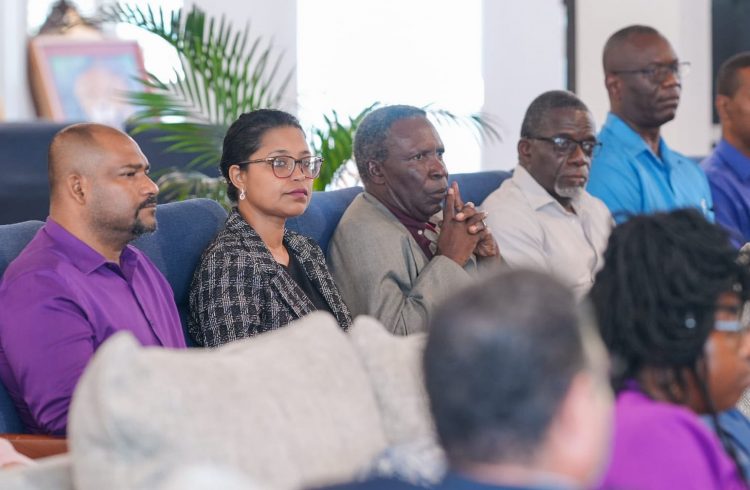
column 617, row 50
column 75, row 149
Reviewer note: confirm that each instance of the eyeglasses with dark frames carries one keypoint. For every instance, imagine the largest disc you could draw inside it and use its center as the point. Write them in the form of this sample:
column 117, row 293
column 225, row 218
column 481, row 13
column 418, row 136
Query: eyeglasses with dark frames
column 564, row 146
column 658, row 72
column 283, row 165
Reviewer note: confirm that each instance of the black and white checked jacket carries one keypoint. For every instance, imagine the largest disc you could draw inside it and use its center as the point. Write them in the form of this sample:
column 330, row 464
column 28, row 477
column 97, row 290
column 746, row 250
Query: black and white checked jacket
column 239, row 290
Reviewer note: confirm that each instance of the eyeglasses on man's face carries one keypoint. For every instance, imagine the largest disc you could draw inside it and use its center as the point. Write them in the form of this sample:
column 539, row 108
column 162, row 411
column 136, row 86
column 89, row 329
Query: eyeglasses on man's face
column 656, row 73
column 283, row 165
column 564, row 146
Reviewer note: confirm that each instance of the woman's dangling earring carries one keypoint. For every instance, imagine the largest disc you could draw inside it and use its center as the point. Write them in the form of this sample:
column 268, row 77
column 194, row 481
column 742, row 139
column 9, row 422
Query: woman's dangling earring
column 242, row 194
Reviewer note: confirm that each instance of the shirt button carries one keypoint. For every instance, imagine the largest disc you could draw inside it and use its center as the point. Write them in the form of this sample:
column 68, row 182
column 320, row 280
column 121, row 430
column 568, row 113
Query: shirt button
column 420, row 232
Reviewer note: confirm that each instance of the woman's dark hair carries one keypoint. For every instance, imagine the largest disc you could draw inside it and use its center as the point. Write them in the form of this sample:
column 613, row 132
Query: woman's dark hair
column 655, row 298
column 244, row 137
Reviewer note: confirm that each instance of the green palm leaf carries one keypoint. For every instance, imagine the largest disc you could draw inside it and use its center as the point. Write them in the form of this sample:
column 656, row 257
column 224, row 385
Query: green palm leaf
column 223, row 73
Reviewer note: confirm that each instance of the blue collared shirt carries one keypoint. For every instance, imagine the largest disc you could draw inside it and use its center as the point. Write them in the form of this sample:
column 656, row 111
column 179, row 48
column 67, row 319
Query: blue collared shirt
column 631, row 179
column 728, row 172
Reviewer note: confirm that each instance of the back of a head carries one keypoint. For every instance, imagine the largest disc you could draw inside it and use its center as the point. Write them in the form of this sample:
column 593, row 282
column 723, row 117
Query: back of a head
column 655, row 296
column 614, row 47
column 244, row 137
column 498, row 362
column 369, row 139
column 728, row 81
column 540, row 107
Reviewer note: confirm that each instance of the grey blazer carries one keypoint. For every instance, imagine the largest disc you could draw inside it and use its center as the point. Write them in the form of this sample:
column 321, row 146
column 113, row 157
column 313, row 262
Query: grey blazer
column 239, row 290
column 382, row 272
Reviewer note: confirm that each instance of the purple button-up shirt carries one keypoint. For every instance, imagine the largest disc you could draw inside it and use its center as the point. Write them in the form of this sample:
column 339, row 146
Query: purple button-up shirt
column 728, row 172
column 59, row 301
column 660, row 445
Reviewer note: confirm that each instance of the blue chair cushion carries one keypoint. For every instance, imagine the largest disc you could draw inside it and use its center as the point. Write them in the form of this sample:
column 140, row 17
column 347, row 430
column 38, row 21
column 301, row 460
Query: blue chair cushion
column 184, row 230
column 323, row 214
column 13, row 238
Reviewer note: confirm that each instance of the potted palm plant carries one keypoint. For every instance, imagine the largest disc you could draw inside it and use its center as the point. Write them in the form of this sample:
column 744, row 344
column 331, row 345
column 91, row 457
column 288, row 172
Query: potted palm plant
column 223, row 73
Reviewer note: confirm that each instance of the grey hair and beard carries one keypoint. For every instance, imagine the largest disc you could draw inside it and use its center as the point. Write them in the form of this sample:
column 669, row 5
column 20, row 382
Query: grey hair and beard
column 570, row 192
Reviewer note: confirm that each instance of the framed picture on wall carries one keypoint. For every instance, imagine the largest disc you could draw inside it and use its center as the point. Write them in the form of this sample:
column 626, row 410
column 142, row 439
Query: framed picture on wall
column 75, row 79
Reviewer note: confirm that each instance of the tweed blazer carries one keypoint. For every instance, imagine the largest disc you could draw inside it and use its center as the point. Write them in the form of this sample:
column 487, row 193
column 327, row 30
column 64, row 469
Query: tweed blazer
column 239, row 290
column 384, row 273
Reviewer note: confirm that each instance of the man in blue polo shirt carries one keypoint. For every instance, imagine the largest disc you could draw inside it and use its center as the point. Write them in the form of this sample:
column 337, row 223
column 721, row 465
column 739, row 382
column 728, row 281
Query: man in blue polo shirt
column 636, row 172
column 728, row 167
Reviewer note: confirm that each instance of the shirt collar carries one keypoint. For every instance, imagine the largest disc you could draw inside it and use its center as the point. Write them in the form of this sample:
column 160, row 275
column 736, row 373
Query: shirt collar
column 408, row 221
column 734, row 159
column 633, row 143
column 85, row 258
column 537, row 195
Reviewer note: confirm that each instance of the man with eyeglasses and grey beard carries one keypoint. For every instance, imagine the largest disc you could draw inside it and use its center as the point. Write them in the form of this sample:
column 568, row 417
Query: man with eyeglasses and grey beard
column 542, row 217
column 636, row 172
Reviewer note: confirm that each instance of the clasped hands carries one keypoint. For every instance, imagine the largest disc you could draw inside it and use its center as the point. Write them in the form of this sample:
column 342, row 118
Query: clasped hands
column 463, row 230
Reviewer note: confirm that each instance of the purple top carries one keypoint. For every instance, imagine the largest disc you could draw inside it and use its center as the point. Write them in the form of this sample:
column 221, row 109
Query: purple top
column 728, row 172
column 60, row 300
column 660, row 445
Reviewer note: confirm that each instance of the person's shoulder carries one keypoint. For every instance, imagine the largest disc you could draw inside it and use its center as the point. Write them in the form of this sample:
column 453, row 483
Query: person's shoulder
column 364, row 218
column 35, row 262
column 507, row 192
column 303, row 243
column 374, row 484
column 364, row 207
column 660, row 423
column 596, row 206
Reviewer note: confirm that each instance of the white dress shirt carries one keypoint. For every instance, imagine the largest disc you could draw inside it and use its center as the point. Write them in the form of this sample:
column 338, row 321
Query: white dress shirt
column 535, row 231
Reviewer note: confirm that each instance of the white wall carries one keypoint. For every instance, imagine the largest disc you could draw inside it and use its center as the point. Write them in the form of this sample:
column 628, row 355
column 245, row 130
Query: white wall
column 687, row 25
column 14, row 91
column 271, row 20
column 524, row 56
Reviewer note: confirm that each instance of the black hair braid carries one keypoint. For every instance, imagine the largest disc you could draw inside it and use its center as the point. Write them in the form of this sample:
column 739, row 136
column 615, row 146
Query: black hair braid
column 655, row 296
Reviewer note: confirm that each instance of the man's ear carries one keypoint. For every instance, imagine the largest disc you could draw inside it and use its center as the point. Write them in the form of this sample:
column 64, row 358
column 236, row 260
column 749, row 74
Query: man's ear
column 613, row 84
column 722, row 103
column 76, row 186
column 375, row 172
column 524, row 151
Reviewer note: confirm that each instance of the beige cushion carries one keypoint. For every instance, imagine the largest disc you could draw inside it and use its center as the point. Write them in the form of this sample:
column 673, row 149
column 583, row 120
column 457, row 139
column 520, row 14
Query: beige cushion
column 52, row 473
column 288, row 408
column 394, row 364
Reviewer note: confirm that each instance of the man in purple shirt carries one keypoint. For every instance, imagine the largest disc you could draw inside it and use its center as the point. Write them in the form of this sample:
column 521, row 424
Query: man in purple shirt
column 78, row 281
column 728, row 167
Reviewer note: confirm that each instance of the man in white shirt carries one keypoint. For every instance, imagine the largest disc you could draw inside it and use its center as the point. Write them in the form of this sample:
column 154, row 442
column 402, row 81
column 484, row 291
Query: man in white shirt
column 542, row 217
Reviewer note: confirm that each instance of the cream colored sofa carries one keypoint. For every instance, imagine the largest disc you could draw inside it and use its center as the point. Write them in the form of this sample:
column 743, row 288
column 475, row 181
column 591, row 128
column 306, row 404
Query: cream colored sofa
column 301, row 406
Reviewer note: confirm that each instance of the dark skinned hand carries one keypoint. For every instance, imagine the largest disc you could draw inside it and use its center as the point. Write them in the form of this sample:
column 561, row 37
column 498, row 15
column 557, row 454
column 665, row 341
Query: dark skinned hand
column 455, row 240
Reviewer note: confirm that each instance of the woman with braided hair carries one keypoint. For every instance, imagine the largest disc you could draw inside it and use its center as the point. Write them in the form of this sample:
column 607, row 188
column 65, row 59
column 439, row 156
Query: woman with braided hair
column 669, row 303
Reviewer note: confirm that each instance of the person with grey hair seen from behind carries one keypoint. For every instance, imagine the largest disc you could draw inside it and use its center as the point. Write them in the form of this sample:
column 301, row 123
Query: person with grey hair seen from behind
column 393, row 254
column 636, row 172
column 519, row 392
column 543, row 217
column 728, row 166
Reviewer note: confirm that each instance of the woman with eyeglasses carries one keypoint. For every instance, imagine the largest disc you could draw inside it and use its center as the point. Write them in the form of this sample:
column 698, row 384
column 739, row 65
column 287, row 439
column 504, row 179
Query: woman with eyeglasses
column 256, row 275
column 669, row 302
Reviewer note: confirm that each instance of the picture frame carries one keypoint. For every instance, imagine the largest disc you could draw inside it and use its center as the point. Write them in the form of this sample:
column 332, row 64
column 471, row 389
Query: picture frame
column 82, row 79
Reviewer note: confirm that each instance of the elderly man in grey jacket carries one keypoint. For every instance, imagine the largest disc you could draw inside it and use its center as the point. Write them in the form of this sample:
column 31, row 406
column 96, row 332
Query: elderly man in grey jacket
column 394, row 254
